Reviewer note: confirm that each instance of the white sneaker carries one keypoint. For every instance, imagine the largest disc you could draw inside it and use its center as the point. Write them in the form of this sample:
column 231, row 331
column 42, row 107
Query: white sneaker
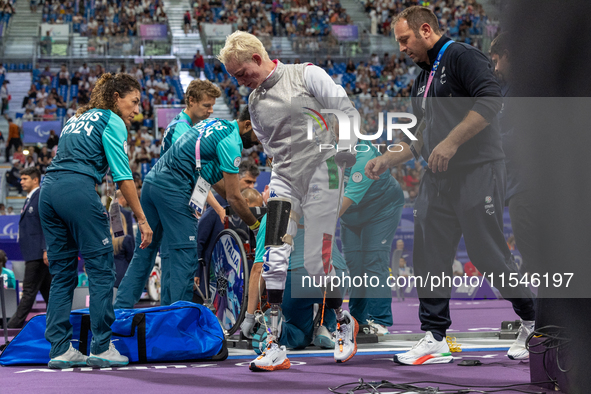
column 70, row 359
column 426, row 351
column 109, row 358
column 274, row 358
column 518, row 351
column 345, row 345
column 323, row 338
column 377, row 329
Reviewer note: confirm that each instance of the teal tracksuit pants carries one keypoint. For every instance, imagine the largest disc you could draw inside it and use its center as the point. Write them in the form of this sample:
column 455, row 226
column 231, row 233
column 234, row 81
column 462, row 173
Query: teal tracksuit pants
column 68, row 231
column 173, row 224
column 366, row 248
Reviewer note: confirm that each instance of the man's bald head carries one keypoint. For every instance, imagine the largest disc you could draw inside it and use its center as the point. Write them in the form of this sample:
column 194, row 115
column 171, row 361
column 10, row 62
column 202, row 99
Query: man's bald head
column 253, row 197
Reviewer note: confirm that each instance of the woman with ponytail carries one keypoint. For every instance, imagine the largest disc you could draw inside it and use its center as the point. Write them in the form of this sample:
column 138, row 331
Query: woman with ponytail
column 74, row 220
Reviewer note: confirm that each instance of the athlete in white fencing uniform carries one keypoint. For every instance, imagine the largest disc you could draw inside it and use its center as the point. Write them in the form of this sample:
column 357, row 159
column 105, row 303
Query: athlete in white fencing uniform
column 305, row 179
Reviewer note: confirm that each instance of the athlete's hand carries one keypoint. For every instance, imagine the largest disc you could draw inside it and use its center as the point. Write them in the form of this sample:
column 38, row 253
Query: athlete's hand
column 222, row 214
column 375, row 167
column 247, row 325
column 441, row 155
column 146, row 232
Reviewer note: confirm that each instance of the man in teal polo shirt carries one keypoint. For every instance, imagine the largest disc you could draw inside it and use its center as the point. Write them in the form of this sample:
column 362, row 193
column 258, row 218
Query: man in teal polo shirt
column 200, row 98
column 178, row 179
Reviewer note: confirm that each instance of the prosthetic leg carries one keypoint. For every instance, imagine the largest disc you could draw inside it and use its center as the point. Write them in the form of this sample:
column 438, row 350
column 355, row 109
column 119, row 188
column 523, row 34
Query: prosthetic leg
column 281, row 224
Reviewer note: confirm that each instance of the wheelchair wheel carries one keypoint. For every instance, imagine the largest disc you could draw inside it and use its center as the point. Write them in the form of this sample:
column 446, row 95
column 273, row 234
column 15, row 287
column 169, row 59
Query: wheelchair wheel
column 228, row 280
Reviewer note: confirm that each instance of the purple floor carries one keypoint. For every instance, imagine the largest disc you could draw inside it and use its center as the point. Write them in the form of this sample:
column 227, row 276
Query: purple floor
column 312, row 373
column 466, row 316
column 307, row 374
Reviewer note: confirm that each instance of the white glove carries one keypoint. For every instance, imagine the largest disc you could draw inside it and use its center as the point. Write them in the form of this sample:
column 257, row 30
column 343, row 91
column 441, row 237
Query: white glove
column 247, row 325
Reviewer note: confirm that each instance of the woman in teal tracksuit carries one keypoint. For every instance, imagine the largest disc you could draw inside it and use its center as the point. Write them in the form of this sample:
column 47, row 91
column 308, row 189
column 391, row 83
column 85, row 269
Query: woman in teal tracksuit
column 370, row 214
column 74, row 220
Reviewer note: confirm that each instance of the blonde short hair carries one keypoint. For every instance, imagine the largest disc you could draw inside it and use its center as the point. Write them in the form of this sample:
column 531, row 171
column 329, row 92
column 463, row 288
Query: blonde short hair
column 240, row 46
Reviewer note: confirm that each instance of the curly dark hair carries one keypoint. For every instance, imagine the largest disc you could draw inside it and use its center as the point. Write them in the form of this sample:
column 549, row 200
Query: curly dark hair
column 103, row 94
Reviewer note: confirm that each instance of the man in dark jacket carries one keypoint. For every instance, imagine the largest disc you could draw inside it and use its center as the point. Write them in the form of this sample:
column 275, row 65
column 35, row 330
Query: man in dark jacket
column 463, row 190
column 33, row 249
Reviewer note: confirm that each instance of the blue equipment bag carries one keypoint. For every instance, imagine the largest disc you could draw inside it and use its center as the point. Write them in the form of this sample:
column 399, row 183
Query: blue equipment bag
column 183, row 331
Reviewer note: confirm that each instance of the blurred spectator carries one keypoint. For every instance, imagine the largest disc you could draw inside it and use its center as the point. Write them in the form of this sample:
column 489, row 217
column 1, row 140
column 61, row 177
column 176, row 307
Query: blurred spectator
column 84, row 70
column 44, row 158
column 166, row 70
column 46, row 44
column 52, row 140
column 50, row 109
column 4, row 96
column 30, row 104
column 76, row 78
column 198, row 64
column 13, row 177
column 71, row 111
column 28, row 116
column 14, row 138
column 29, row 162
column 41, row 95
column 2, row 209
column 39, row 111
column 31, row 95
column 63, row 76
column 187, row 21
column 10, row 211
column 19, row 155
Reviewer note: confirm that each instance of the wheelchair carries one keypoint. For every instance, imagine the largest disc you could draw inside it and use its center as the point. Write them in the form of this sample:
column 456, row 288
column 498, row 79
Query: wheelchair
column 228, row 274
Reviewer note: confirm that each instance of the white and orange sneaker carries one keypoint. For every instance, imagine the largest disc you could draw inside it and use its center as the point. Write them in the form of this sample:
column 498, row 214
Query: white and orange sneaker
column 274, row 358
column 345, row 342
column 427, row 351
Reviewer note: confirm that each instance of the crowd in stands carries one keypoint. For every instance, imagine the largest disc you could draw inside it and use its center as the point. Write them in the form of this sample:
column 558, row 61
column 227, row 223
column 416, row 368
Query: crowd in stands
column 272, row 18
column 105, row 18
column 55, row 95
column 462, row 20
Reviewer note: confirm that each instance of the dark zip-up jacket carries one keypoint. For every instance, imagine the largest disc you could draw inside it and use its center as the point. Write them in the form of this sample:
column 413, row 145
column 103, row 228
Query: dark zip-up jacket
column 463, row 82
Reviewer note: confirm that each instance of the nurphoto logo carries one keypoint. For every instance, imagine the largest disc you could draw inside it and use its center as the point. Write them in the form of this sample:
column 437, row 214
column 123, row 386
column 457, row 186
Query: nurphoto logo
column 344, row 123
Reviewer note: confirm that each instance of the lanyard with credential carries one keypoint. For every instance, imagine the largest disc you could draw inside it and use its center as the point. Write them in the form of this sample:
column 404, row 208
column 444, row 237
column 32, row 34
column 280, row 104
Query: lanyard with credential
column 417, row 146
column 433, row 70
column 201, row 190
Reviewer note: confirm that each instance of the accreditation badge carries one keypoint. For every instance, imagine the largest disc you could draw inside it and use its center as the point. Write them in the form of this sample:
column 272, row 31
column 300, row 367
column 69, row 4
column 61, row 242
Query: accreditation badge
column 115, row 218
column 199, row 196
